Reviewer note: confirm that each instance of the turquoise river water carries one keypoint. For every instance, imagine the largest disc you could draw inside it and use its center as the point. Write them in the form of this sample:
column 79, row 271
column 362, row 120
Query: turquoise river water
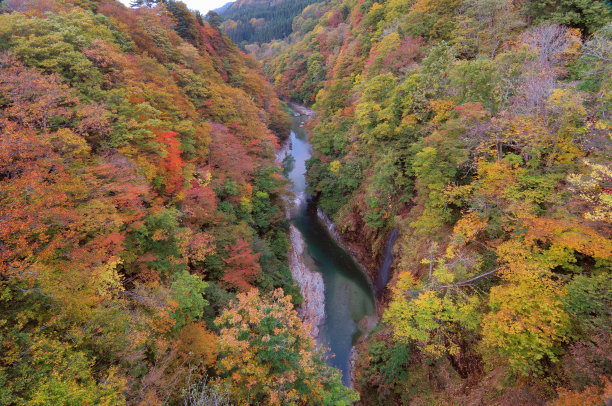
column 349, row 296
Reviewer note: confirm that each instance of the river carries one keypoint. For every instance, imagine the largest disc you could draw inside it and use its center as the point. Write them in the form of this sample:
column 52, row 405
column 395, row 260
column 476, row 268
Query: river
column 349, row 296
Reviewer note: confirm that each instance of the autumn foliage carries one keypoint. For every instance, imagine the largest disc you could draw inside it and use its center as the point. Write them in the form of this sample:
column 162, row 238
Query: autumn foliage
column 242, row 266
column 171, row 162
column 270, row 358
column 119, row 190
column 480, row 131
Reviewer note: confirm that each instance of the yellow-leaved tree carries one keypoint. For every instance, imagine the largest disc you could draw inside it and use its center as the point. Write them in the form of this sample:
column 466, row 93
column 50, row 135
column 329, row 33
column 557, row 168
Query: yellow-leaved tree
column 267, row 356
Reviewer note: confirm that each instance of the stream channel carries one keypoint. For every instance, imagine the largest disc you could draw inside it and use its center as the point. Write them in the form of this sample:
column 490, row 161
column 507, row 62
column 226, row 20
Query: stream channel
column 349, row 296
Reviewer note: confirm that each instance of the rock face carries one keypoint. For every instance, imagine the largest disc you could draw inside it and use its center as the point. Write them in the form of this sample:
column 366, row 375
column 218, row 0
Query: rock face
column 312, row 310
column 352, row 361
column 382, row 277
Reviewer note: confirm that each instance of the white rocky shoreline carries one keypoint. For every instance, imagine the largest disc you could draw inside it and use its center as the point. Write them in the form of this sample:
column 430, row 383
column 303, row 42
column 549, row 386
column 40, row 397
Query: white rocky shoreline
column 312, row 310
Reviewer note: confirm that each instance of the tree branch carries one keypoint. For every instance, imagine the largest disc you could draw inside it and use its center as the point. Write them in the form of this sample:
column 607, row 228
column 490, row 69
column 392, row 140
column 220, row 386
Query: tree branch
column 469, row 280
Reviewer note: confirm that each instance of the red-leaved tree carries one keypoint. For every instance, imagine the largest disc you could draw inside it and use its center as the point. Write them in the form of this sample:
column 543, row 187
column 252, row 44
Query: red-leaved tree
column 172, row 161
column 242, row 266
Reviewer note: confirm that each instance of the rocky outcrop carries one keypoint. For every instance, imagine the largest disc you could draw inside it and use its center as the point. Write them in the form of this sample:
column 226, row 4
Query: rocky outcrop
column 352, row 362
column 382, row 277
column 283, row 152
column 301, row 110
column 312, row 310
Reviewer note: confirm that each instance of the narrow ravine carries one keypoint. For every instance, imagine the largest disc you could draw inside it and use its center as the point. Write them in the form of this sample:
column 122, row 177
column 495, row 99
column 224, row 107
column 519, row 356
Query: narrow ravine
column 349, row 296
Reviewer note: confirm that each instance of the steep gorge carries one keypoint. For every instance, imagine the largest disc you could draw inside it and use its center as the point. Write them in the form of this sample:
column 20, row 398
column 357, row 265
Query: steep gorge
column 343, row 288
column 476, row 136
column 460, row 151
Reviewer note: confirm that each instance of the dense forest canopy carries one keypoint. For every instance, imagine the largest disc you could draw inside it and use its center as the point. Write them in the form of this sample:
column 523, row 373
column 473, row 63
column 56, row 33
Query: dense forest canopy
column 141, row 213
column 143, row 216
column 481, row 130
column 260, row 21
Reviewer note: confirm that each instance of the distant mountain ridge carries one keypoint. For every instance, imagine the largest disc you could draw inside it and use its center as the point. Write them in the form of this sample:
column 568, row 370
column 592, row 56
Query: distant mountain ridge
column 260, row 21
column 224, row 7
column 235, row 5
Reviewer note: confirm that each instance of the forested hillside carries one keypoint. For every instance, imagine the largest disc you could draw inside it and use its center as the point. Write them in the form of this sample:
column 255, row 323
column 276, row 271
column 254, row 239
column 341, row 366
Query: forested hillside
column 260, row 21
column 481, row 130
column 143, row 238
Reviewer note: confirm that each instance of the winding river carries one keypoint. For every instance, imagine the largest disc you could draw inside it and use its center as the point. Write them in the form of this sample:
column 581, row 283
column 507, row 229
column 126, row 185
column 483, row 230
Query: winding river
column 349, row 296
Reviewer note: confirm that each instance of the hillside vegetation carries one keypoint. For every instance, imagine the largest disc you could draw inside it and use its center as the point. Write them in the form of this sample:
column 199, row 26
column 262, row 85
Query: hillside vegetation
column 260, row 21
column 143, row 238
column 481, row 129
